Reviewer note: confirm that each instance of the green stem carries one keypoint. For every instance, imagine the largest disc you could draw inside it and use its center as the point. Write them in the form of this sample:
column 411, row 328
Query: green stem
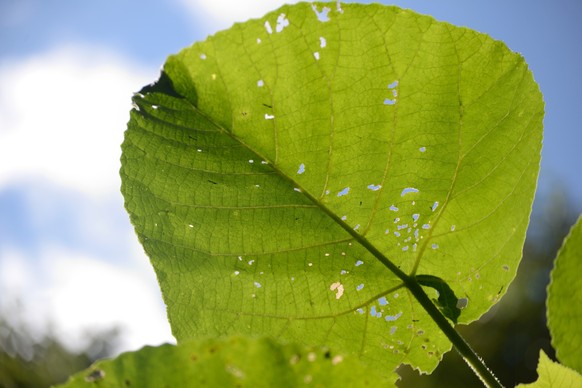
column 468, row 354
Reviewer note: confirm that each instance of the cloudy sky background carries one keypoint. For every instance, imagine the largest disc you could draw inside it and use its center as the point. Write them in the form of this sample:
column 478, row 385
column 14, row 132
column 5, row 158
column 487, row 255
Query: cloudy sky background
column 69, row 260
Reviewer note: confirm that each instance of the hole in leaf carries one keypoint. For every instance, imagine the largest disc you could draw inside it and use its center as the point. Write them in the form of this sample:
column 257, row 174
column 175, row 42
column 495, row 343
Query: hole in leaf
column 391, row 318
column 316, row 55
column 260, row 83
column 323, row 15
column 360, row 287
column 322, row 42
column 343, row 192
column 374, row 187
column 301, row 169
column 462, row 303
column 358, row 263
column 268, row 27
column 393, row 208
column 282, row 22
column 408, row 190
column 338, row 288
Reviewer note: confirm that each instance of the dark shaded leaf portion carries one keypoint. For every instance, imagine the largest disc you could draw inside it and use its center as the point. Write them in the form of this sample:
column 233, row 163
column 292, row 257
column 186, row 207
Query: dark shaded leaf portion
column 447, row 300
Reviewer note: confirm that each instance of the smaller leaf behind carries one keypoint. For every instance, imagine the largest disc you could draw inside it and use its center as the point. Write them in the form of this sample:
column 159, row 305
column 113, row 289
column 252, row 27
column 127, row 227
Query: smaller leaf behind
column 230, row 362
column 447, row 301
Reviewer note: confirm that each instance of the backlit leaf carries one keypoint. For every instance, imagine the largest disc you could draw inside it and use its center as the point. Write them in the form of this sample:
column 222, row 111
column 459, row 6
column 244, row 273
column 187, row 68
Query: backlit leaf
column 232, row 362
column 553, row 375
column 565, row 300
column 283, row 173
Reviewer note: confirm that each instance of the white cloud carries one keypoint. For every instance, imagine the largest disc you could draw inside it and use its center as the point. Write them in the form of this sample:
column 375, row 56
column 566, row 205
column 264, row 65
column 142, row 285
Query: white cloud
column 222, row 13
column 74, row 294
column 62, row 117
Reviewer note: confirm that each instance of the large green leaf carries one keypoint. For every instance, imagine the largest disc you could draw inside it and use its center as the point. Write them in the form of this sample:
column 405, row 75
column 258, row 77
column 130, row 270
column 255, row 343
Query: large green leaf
column 285, row 176
column 233, row 362
column 565, row 299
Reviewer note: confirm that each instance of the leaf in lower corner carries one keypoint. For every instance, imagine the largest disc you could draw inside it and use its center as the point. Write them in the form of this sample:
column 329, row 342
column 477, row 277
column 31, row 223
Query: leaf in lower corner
column 553, row 375
column 231, row 362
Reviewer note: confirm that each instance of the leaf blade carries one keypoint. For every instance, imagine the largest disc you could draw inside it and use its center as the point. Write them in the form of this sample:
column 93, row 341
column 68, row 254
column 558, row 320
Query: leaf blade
column 231, row 362
column 565, row 298
column 267, row 121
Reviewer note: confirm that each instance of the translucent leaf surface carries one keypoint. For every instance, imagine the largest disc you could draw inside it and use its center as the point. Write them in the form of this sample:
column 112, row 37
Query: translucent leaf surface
column 554, row 375
column 233, row 362
column 282, row 173
column 565, row 300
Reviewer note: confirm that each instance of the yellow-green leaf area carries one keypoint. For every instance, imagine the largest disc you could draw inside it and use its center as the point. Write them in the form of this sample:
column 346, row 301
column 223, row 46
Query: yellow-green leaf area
column 564, row 300
column 554, row 375
column 283, row 173
column 231, row 362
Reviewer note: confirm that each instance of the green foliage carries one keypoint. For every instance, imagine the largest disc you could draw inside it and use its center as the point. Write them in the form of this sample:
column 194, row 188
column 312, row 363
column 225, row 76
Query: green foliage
column 565, row 299
column 291, row 176
column 554, row 375
column 233, row 362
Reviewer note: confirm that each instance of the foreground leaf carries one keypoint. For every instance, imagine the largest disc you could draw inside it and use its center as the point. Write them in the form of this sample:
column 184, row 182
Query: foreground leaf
column 553, row 375
column 286, row 175
column 565, row 300
column 234, row 362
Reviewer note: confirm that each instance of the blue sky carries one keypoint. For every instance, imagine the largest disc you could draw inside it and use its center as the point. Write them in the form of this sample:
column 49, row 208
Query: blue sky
column 67, row 72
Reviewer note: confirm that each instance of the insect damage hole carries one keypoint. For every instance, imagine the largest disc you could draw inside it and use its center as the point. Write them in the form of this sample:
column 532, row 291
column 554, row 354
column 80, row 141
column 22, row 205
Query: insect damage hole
column 408, row 190
column 338, row 288
column 282, row 22
column 95, row 376
column 343, row 192
column 323, row 15
column 268, row 27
